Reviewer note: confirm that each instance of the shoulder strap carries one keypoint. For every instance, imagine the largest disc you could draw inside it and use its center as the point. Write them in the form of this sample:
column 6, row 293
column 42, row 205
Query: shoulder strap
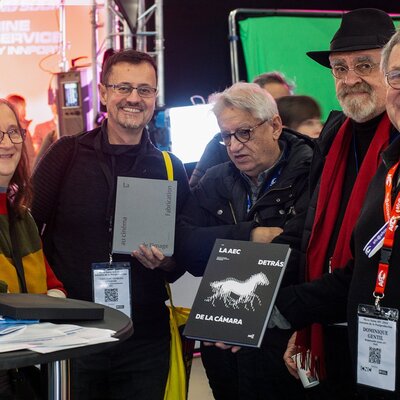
column 168, row 165
column 61, row 177
column 15, row 249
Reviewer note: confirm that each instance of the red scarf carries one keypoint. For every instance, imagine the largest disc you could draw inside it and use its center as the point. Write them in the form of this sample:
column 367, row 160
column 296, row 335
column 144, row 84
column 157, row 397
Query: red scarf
column 329, row 197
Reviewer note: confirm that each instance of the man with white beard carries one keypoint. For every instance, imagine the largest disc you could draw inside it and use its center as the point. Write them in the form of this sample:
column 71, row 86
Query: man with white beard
column 346, row 157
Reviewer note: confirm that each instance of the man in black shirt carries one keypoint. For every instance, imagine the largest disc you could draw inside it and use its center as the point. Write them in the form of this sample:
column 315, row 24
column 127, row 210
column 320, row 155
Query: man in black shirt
column 75, row 185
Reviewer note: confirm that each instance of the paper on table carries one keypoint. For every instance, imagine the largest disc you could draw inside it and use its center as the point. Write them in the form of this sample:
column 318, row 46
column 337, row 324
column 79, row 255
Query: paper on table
column 10, row 328
column 47, row 337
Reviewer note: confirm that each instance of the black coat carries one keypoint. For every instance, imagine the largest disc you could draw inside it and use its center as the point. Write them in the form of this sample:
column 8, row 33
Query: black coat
column 218, row 207
column 365, row 269
column 335, row 297
column 215, row 153
column 321, row 149
column 74, row 198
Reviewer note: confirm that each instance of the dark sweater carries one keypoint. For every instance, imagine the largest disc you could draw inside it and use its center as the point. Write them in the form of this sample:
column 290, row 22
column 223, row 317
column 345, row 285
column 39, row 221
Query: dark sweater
column 75, row 198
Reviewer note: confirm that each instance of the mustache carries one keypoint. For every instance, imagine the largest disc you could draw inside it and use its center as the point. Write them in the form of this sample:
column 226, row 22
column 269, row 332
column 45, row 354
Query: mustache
column 135, row 104
column 345, row 90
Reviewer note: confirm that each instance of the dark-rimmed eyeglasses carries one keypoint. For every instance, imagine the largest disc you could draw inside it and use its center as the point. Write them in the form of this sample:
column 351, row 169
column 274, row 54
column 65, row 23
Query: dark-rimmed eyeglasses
column 16, row 135
column 241, row 135
column 361, row 69
column 125, row 90
column 393, row 78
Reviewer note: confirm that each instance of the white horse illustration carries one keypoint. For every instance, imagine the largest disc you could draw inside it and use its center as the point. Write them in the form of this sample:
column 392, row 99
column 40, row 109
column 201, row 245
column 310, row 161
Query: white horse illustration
column 244, row 291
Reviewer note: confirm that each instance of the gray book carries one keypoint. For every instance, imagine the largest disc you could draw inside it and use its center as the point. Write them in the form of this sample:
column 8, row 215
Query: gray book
column 237, row 293
column 144, row 214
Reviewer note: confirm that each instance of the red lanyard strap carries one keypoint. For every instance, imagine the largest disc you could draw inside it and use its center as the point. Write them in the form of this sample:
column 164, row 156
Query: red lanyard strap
column 392, row 215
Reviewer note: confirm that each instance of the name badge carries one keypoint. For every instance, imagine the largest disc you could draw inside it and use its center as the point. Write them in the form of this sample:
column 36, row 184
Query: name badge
column 376, row 356
column 112, row 285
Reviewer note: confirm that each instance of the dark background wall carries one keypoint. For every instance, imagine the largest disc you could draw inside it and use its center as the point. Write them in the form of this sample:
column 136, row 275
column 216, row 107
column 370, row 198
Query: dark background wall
column 197, row 60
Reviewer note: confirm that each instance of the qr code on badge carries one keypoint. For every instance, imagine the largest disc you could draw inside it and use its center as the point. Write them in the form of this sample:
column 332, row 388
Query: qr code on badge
column 374, row 355
column 110, row 295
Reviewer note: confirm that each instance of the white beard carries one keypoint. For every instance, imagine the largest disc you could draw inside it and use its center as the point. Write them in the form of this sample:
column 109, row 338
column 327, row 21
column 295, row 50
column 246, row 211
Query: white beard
column 359, row 110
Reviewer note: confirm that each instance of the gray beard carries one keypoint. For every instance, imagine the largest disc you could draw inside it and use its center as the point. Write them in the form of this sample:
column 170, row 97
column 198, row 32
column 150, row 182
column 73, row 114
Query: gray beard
column 359, row 111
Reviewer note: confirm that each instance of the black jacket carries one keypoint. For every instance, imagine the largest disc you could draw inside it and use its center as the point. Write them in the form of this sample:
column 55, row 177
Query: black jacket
column 365, row 269
column 218, row 207
column 323, row 300
column 321, row 149
column 215, row 153
column 74, row 198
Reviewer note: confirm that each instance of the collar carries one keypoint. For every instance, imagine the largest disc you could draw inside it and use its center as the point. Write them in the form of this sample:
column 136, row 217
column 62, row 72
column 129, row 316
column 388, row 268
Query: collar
column 392, row 153
column 119, row 149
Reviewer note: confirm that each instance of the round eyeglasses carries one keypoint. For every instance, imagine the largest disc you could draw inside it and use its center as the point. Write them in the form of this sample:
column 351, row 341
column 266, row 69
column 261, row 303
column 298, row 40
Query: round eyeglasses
column 361, row 69
column 16, row 135
column 125, row 90
column 241, row 135
column 393, row 79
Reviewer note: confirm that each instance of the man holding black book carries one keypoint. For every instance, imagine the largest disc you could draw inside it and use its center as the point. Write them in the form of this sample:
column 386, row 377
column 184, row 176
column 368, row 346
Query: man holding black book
column 75, row 185
column 260, row 195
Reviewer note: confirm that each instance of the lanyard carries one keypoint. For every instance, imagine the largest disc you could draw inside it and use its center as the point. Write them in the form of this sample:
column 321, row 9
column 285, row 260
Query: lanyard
column 392, row 215
column 266, row 186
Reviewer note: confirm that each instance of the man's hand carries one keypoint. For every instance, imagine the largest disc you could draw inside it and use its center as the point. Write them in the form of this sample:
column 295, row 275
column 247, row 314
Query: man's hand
column 223, row 346
column 263, row 234
column 153, row 258
column 291, row 350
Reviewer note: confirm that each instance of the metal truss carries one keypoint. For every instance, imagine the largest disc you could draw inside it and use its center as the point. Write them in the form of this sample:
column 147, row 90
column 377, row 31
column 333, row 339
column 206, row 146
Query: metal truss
column 147, row 37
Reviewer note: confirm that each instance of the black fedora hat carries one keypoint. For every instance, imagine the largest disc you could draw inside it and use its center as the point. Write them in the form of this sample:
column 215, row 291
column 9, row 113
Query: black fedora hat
column 361, row 29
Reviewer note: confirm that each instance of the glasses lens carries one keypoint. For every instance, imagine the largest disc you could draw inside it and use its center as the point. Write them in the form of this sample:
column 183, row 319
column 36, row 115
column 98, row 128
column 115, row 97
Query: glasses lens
column 146, row 91
column 363, row 69
column 123, row 89
column 243, row 135
column 339, row 71
column 393, row 78
column 15, row 135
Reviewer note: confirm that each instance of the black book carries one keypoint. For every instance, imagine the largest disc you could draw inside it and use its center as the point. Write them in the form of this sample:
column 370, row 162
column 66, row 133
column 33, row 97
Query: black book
column 43, row 307
column 237, row 292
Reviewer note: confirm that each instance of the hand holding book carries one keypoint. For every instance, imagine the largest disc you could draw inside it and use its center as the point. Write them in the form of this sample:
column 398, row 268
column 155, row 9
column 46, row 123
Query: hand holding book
column 265, row 234
column 152, row 258
column 223, row 346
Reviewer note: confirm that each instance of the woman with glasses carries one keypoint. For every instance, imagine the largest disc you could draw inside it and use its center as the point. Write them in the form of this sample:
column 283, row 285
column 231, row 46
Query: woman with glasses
column 23, row 267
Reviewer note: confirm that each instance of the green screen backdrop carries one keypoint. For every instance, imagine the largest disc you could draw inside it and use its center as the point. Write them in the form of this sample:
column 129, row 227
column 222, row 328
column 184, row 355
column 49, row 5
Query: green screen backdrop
column 280, row 43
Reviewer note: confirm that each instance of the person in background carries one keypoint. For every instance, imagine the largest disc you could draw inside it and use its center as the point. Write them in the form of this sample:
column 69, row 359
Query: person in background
column 24, row 267
column 215, row 152
column 46, row 128
column 346, row 157
column 75, row 194
column 19, row 104
column 259, row 195
column 300, row 113
column 275, row 83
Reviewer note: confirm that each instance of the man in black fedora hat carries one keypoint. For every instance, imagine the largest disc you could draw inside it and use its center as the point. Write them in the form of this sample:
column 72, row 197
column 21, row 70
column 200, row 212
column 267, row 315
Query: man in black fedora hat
column 345, row 159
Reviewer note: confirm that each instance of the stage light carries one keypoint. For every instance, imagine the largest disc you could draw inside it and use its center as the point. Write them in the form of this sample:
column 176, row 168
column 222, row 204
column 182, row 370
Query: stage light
column 129, row 10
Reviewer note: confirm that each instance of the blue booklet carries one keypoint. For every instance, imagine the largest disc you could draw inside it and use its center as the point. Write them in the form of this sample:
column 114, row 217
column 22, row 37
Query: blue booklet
column 9, row 320
column 9, row 325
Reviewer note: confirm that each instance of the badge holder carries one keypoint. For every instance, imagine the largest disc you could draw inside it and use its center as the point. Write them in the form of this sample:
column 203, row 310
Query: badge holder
column 377, row 340
column 111, row 285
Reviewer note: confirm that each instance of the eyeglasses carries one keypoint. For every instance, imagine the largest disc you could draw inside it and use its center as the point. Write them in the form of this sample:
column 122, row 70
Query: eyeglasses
column 16, row 135
column 361, row 69
column 393, row 79
column 241, row 135
column 125, row 90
